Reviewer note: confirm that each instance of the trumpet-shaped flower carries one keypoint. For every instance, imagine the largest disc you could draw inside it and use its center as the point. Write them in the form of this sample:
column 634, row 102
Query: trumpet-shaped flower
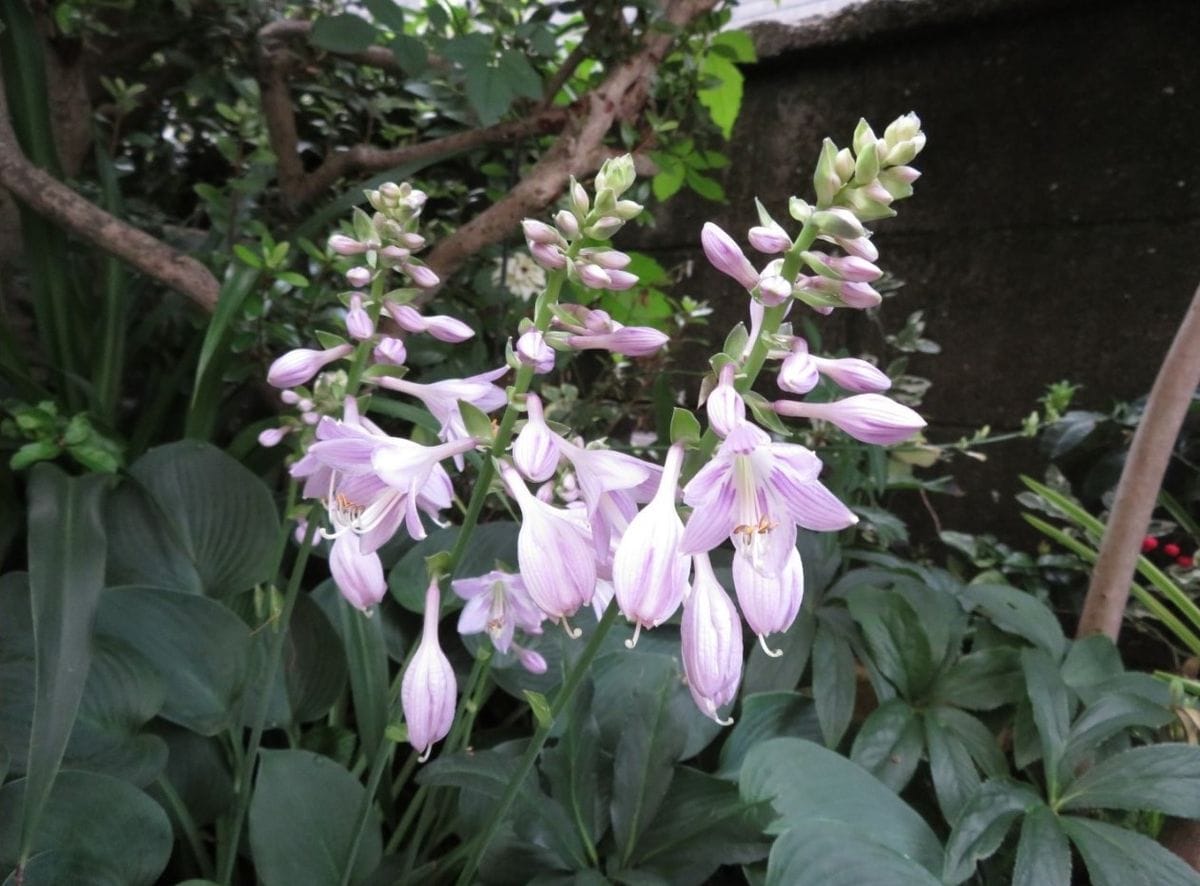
column 755, row 492
column 498, row 603
column 871, row 418
column 769, row 601
column 649, row 572
column 726, row 256
column 428, row 690
column 535, row 451
column 554, row 551
column 357, row 574
column 299, row 365
column 441, row 399
column 440, row 326
column 711, row 642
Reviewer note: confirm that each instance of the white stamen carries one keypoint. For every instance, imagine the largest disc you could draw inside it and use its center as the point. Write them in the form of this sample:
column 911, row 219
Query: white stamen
column 774, row 653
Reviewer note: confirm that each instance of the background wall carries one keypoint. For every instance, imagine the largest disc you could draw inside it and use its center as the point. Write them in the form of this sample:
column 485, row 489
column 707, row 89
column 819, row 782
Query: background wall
column 1055, row 233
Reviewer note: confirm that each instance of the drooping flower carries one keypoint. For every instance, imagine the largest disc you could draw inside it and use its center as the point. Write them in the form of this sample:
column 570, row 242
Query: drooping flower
column 554, row 551
column 871, row 418
column 726, row 408
column 726, row 256
column 440, row 326
column 498, row 603
column 769, row 602
column 299, row 365
column 428, row 690
column 357, row 574
column 649, row 572
column 711, row 642
column 632, row 341
column 441, row 399
column 756, row 492
column 535, row 450
column 798, row 372
column 533, row 351
column 855, row 375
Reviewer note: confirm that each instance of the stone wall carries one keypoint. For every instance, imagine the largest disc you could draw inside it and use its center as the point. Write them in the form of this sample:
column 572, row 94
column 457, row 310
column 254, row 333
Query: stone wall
column 1056, row 231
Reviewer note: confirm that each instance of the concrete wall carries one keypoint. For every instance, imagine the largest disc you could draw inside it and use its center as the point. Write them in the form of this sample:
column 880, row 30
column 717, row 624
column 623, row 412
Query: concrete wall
column 1056, row 231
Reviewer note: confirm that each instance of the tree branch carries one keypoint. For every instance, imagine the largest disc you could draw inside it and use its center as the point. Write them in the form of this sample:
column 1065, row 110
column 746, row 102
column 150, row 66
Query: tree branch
column 580, row 149
column 49, row 197
column 1141, row 478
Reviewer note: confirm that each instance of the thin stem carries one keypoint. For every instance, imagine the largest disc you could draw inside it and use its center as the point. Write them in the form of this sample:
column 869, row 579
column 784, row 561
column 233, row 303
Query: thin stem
column 537, row 742
column 188, row 826
column 382, row 758
column 274, row 654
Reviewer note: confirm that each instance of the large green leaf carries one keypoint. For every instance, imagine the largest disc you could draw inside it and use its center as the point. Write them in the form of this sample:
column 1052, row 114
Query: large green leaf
column 723, row 99
column 366, row 658
column 768, row 672
column 768, row 715
column 899, row 646
column 1164, row 777
column 805, row 781
column 1117, row 857
column 982, row 825
column 982, row 681
column 955, row 779
column 701, row 825
column 573, row 767
column 97, row 829
column 197, row 771
column 1050, row 704
column 890, row 743
column 66, row 569
column 834, row 685
column 199, row 647
column 195, row 520
column 302, row 819
column 1108, row 715
column 1020, row 613
column 1043, row 855
column 821, row 852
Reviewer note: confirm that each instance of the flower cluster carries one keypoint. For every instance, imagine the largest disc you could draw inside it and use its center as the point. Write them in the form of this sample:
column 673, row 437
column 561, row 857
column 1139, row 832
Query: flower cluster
column 601, row 527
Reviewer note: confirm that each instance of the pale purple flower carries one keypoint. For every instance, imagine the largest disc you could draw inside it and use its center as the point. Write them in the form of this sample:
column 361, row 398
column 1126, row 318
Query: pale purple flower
column 273, row 436
column 498, row 603
column 554, row 551
column 860, row 247
column 726, row 408
column 343, row 245
column 592, row 275
column 609, row 259
column 612, row 485
column 567, row 224
column 619, row 281
column 855, row 375
column 649, row 572
column 769, row 601
column 440, row 326
column 871, row 418
column 770, row 239
column 358, row 277
column 533, row 351
column 710, row 642
column 798, row 372
column 773, row 290
column 539, row 232
column 390, row 350
column 428, row 690
column 726, row 256
column 421, row 275
column 859, row 295
column 632, row 341
column 358, row 322
column 548, row 255
column 535, row 450
column 755, row 492
column 357, row 574
column 291, row 398
column 394, row 255
column 530, row 660
column 298, row 366
column 441, row 399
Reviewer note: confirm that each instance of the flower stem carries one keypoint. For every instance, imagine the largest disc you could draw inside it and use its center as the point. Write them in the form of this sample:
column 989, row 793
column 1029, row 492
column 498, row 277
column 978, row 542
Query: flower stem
column 382, row 757
column 537, row 742
column 274, row 654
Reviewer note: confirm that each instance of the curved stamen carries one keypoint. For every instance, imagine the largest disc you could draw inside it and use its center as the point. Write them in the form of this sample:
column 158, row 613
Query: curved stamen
column 573, row 633
column 637, row 632
column 762, row 641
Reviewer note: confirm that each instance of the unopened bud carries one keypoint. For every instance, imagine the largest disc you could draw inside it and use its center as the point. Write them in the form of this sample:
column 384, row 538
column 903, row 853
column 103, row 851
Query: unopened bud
column 359, row 277
column 605, row 227
column 567, row 224
column 343, row 245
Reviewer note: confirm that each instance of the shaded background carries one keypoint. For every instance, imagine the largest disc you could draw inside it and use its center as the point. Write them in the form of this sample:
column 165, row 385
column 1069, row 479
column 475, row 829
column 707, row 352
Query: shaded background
column 1054, row 234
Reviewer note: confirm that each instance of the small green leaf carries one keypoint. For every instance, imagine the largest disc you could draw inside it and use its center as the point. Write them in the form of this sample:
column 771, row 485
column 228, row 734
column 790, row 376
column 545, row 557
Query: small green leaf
column 685, row 427
column 955, row 779
column 343, row 33
column 834, row 686
column 723, row 101
column 1043, row 855
column 889, row 744
column 1020, row 613
column 248, row 256
column 1051, row 711
column 981, row 827
column 1117, row 857
column 476, row 421
column 1163, row 777
column 540, row 707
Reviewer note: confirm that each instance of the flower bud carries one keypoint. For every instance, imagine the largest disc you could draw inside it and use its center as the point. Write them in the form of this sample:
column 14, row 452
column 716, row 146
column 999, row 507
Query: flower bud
column 798, row 372
column 394, row 255
column 859, row 295
column 726, row 256
column 421, row 275
column 532, row 350
column 852, row 374
column 770, row 239
column 359, row 277
column 774, row 290
column 628, row 210
column 838, row 222
column 843, row 164
column 619, row 281
column 870, row 418
column 272, row 436
column 854, row 269
column 567, row 224
column 343, row 245
column 609, row 259
column 530, row 660
column 291, row 398
column 726, row 408
column 297, row 366
column 710, row 642
column 535, row 450
column 769, row 603
column 358, row 321
column 632, row 341
column 592, row 275
column 604, row 227
column 548, row 256
column 540, row 232
column 410, row 241
column 902, row 129
column 390, row 350
column 359, row 576
column 429, row 690
column 617, row 173
column 579, row 199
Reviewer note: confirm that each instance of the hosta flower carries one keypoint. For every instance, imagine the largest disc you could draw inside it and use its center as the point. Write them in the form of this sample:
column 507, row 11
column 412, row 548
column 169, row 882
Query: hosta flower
column 358, row 322
column 440, row 326
column 533, row 351
column 428, row 690
column 798, row 372
column 498, row 603
column 357, row 574
column 769, row 601
column 632, row 341
column 535, row 450
column 441, row 399
column 390, row 350
column 770, row 239
column 851, row 373
column 711, row 642
column 726, row 256
column 726, row 408
column 871, row 418
column 649, row 572
column 297, row 366
column 756, row 492
column 554, row 551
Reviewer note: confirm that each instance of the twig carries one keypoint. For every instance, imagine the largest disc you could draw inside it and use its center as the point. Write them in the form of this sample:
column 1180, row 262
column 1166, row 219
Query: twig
column 1137, row 491
column 49, row 197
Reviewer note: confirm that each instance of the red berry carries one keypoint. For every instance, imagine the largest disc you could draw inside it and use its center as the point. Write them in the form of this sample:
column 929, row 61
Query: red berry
column 1171, row 550
column 1185, row 562
column 1149, row 543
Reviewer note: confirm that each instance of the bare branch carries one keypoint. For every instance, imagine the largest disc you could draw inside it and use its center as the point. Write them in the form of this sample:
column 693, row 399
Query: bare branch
column 580, row 149
column 49, row 197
